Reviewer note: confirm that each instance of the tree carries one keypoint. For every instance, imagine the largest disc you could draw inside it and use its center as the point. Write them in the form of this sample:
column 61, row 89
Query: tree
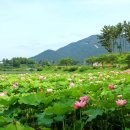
column 16, row 62
column 114, row 38
column 101, row 59
column 66, row 61
column 110, row 59
column 91, row 60
column 44, row 63
column 105, row 38
column 127, row 29
column 119, row 27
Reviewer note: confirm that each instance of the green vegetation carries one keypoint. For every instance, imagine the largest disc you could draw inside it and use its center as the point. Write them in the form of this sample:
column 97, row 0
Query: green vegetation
column 67, row 61
column 17, row 62
column 114, row 60
column 61, row 101
column 67, row 64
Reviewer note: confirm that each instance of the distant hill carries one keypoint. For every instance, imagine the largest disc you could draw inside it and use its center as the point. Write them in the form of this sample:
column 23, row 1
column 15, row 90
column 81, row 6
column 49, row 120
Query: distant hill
column 79, row 50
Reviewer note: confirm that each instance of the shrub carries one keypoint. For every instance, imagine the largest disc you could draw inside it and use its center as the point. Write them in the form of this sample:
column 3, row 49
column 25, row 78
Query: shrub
column 83, row 68
column 127, row 60
column 39, row 68
column 71, row 68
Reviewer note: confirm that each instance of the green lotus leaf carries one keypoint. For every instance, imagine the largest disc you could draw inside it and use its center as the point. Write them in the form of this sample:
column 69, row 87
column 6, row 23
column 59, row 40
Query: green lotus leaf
column 30, row 99
column 93, row 113
column 17, row 126
column 7, row 101
column 4, row 120
column 45, row 120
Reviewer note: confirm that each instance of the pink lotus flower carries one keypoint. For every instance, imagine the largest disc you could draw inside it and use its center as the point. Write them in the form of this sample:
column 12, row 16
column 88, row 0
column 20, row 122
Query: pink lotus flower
column 22, row 78
column 15, row 85
column 49, row 90
column 84, row 98
column 80, row 80
column 80, row 104
column 3, row 93
column 121, row 102
column 111, row 86
column 42, row 77
column 100, row 75
column 72, row 84
column 90, row 78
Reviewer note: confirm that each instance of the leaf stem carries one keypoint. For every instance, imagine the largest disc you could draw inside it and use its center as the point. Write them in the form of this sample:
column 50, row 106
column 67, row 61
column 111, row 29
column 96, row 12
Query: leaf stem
column 123, row 119
column 63, row 124
column 80, row 119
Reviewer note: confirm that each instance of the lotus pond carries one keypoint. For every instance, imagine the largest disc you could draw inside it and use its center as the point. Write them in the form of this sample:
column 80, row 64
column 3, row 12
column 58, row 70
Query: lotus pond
column 65, row 101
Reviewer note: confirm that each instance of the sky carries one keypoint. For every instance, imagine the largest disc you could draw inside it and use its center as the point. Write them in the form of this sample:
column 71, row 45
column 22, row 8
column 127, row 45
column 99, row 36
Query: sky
column 29, row 27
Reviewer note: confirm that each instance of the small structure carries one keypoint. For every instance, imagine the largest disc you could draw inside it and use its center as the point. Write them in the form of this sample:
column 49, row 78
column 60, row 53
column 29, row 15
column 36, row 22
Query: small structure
column 96, row 64
column 1, row 62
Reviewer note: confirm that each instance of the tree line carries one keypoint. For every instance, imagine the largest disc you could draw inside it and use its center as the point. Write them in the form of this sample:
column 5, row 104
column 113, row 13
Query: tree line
column 17, row 62
column 112, row 59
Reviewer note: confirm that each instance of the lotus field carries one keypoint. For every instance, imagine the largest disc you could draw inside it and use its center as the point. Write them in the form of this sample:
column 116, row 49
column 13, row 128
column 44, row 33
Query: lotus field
column 65, row 101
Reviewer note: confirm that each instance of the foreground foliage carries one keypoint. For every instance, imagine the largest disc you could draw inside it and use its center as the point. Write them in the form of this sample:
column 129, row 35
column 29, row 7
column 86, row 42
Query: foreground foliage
column 65, row 101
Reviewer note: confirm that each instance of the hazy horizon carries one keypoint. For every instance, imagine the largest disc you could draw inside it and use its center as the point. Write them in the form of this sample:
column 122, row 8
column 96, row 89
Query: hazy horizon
column 30, row 27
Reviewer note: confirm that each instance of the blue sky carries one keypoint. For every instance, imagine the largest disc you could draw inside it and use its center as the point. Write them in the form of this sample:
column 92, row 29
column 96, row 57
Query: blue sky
column 28, row 27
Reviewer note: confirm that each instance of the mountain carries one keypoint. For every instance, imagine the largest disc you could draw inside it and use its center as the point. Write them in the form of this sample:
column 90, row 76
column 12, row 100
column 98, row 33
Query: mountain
column 82, row 49
column 79, row 50
column 47, row 55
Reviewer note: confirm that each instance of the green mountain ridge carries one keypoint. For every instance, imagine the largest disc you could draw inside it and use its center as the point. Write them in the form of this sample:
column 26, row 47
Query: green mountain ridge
column 79, row 50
